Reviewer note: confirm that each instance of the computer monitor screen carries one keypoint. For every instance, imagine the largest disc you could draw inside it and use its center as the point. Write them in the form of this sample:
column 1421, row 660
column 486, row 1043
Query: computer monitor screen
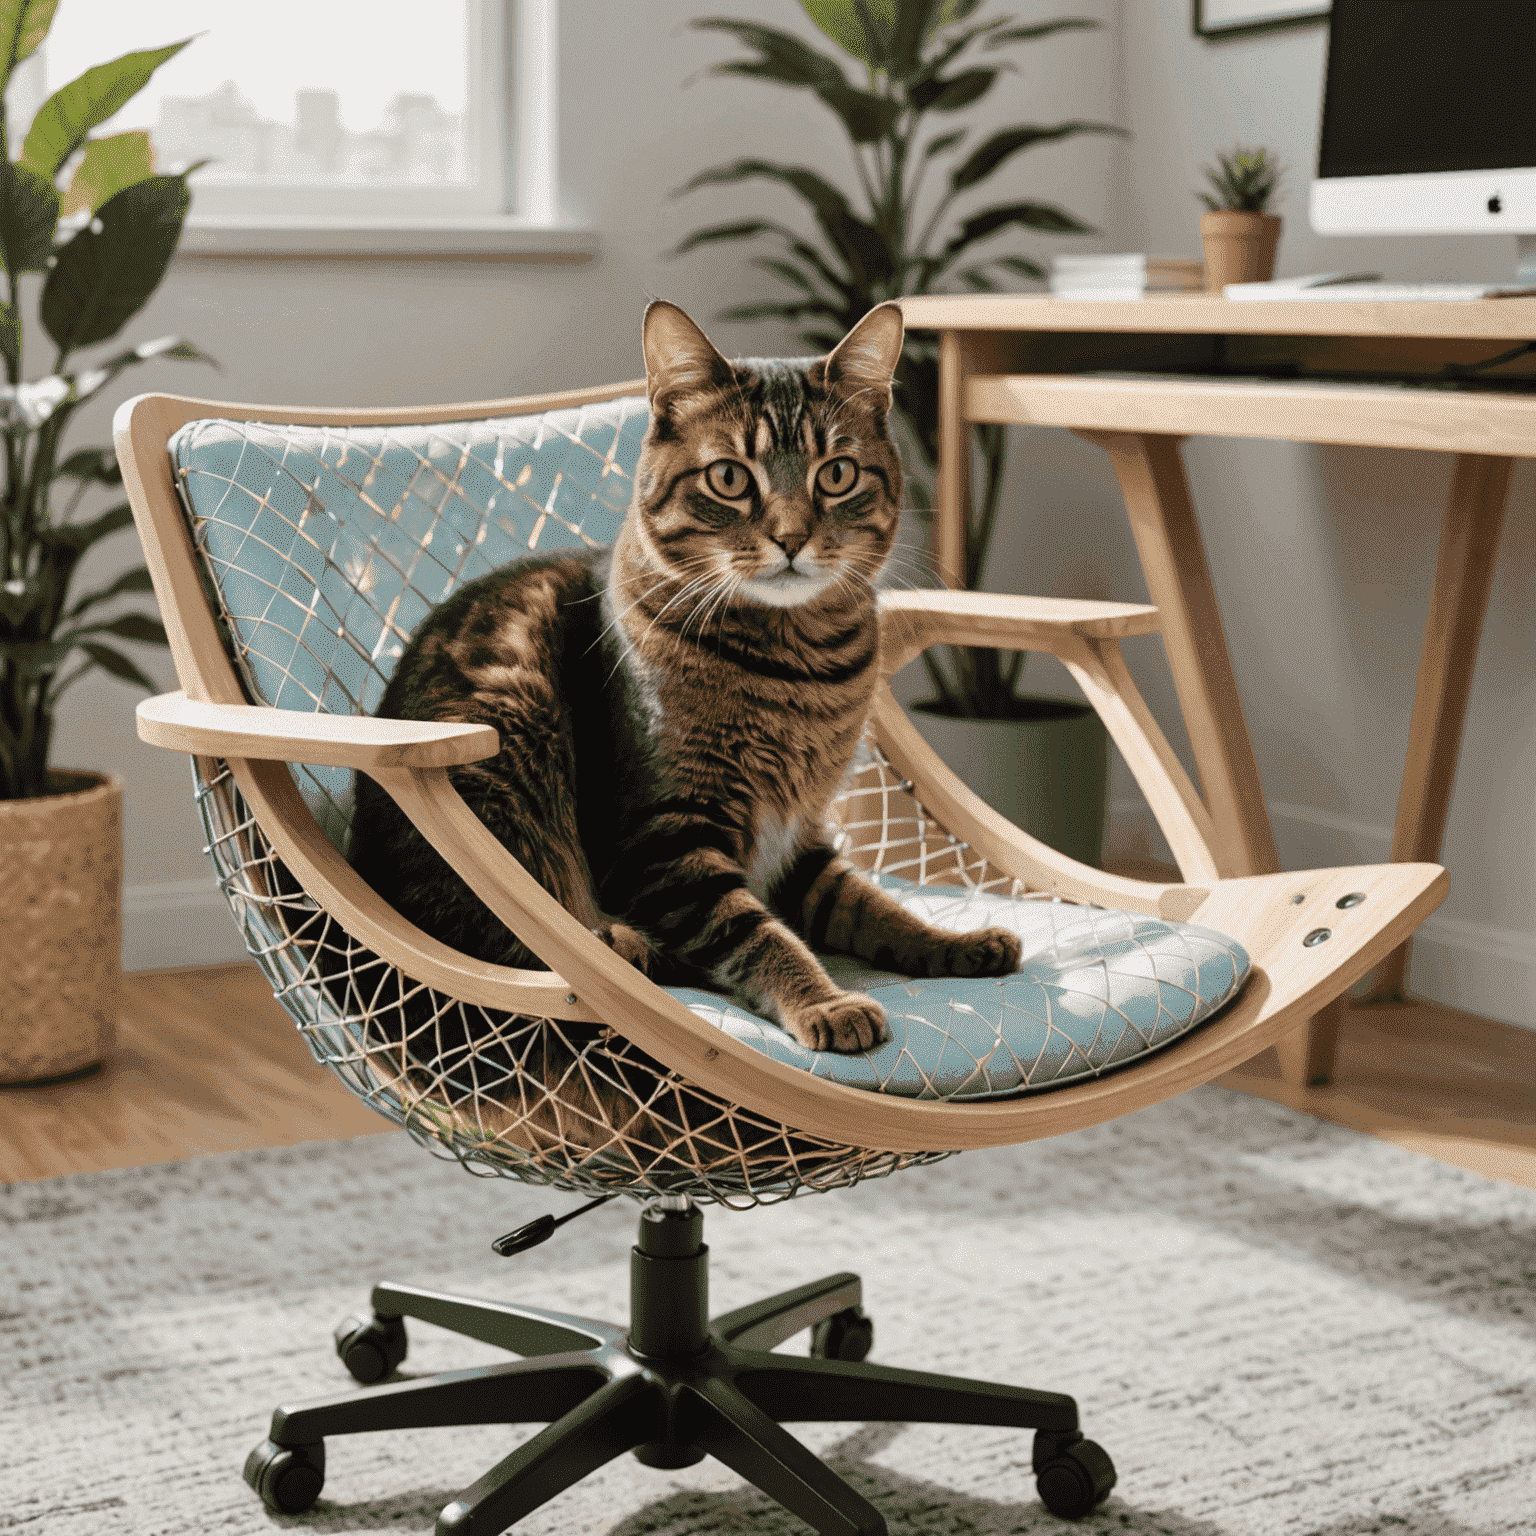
column 1428, row 120
column 1429, row 85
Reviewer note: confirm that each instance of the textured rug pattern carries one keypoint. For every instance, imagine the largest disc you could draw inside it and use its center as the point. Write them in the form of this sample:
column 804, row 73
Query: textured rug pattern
column 1276, row 1327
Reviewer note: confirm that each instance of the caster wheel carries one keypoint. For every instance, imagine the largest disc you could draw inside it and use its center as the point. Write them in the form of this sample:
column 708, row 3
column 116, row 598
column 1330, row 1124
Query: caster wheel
column 288, row 1477
column 371, row 1350
column 1072, row 1475
column 846, row 1335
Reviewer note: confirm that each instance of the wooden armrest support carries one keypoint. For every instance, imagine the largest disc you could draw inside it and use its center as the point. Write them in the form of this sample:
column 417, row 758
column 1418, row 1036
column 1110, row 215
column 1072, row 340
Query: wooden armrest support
column 912, row 621
column 339, row 741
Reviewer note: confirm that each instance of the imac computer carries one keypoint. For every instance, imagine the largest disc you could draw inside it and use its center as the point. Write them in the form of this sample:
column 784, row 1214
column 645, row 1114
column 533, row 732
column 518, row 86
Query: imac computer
column 1429, row 121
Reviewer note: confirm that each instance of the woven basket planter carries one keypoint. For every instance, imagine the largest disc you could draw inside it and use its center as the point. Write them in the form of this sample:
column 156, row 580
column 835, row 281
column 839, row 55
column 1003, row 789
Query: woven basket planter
column 61, row 968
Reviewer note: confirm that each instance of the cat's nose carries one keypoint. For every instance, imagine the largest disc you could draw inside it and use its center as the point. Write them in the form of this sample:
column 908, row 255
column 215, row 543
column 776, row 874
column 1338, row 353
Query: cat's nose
column 791, row 542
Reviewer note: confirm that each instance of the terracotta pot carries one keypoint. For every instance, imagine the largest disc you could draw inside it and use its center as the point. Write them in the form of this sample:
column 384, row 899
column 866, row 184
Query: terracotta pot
column 1239, row 247
column 1046, row 770
column 61, row 927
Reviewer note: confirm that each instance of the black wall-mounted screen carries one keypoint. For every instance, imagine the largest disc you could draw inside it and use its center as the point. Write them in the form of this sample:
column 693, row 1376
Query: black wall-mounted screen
column 1429, row 85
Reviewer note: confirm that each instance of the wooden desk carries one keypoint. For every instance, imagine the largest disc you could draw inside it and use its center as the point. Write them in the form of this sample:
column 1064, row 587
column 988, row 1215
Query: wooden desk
column 1020, row 358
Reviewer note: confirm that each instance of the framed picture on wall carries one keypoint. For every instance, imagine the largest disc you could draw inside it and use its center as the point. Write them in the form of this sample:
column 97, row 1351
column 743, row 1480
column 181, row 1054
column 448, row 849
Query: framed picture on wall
column 1235, row 18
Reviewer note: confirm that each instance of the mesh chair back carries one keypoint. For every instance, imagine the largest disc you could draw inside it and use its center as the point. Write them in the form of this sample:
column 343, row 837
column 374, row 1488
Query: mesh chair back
column 327, row 546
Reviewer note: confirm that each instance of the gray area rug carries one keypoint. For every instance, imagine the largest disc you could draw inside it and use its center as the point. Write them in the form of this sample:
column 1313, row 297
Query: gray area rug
column 1276, row 1327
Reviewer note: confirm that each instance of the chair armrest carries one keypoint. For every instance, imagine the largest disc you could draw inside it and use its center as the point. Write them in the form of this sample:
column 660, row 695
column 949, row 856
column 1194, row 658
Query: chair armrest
column 339, row 741
column 912, row 621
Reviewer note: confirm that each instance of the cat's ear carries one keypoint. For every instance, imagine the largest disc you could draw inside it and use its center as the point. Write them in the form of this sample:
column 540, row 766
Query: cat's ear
column 863, row 362
column 679, row 357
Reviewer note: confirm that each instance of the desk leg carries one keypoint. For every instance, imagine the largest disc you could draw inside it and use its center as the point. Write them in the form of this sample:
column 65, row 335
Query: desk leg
column 1469, row 544
column 1162, row 512
column 953, row 492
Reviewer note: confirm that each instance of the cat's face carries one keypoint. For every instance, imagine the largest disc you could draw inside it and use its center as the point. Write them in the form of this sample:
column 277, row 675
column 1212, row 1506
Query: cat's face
column 769, row 482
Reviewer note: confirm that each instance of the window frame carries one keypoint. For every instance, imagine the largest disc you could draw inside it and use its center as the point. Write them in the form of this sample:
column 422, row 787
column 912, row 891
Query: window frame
column 511, row 46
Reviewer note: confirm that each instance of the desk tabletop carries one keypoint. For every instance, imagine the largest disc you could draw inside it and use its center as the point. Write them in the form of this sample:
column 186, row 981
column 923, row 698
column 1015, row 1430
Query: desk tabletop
column 1211, row 315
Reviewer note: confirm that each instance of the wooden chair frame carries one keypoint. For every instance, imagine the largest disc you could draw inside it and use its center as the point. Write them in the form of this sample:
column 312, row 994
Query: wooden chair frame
column 1271, row 915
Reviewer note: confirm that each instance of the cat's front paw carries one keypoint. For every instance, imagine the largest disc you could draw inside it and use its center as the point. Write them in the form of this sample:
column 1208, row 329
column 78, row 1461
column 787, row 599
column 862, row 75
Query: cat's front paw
column 850, row 1022
column 627, row 945
column 989, row 952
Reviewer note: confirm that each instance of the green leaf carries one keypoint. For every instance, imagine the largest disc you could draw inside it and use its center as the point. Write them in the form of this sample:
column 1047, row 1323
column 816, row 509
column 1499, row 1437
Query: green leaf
column 136, row 580
column 1022, row 266
column 944, row 141
column 98, row 464
column 24, row 24
column 118, row 665
column 915, row 19
column 106, row 274
column 866, row 116
column 63, row 121
column 10, row 339
column 29, row 209
column 986, row 157
column 857, row 243
column 17, row 607
column 35, row 658
column 1041, row 216
column 107, row 166
column 784, row 58
column 713, row 234
column 1041, row 29
column 936, row 95
column 80, row 536
column 130, row 626
column 850, row 23
column 976, row 279
column 90, row 380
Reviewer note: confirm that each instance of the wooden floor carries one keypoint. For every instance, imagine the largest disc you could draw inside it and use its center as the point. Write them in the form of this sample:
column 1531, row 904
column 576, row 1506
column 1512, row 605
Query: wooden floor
column 206, row 1061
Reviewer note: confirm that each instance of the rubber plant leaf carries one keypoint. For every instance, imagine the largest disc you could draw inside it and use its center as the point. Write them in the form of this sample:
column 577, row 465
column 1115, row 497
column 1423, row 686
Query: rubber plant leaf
column 117, row 664
column 784, row 58
column 90, row 380
column 136, row 580
column 80, row 536
column 63, row 121
column 849, row 24
column 106, row 274
column 130, row 626
column 97, row 464
column 859, row 244
column 29, row 210
column 1030, row 34
column 23, row 26
column 986, row 157
column 954, row 93
column 108, row 166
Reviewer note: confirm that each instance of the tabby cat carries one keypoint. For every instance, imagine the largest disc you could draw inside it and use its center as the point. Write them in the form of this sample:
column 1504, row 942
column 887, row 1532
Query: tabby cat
column 677, row 713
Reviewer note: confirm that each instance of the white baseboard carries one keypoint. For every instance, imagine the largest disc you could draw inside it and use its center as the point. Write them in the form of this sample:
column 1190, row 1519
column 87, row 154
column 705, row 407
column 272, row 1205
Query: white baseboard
column 1486, row 970
column 178, row 922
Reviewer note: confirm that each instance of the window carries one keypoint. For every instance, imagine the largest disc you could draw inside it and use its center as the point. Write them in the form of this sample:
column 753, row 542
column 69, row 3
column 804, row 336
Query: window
column 327, row 109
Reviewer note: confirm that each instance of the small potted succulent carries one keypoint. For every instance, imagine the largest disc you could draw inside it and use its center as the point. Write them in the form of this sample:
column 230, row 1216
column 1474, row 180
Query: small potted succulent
column 93, row 217
column 1239, row 236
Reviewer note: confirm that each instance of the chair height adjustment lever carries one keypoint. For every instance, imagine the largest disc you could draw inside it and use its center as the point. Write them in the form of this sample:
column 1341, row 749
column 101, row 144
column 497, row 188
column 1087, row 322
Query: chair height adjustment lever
column 541, row 1229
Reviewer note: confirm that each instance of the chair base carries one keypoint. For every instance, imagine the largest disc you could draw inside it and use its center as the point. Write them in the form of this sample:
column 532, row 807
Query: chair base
column 672, row 1388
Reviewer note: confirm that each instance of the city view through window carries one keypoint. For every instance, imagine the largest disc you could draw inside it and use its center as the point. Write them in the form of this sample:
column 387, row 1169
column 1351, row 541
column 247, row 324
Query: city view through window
column 290, row 92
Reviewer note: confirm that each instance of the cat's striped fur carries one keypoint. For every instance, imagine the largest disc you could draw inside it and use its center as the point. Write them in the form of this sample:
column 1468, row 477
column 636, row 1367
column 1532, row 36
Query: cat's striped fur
column 676, row 715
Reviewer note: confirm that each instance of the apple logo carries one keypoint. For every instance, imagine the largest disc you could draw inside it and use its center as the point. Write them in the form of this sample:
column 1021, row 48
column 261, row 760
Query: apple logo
column 1495, row 204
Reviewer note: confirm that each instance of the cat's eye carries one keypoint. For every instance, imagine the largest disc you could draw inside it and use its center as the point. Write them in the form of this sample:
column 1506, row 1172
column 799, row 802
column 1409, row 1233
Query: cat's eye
column 837, row 476
column 728, row 479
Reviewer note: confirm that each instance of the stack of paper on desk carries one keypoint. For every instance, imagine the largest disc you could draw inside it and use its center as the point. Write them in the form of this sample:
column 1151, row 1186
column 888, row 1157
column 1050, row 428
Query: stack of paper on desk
column 1123, row 277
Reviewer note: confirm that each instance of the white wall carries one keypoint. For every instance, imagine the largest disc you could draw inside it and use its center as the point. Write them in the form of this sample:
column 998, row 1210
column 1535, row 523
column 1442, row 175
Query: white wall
column 639, row 116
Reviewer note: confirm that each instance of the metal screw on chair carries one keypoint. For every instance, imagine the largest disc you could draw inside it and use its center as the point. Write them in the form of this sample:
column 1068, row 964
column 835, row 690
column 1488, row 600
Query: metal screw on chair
column 1317, row 936
column 1352, row 900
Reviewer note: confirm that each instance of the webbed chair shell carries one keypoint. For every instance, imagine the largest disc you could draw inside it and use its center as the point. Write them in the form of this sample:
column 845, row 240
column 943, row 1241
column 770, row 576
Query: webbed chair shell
column 325, row 536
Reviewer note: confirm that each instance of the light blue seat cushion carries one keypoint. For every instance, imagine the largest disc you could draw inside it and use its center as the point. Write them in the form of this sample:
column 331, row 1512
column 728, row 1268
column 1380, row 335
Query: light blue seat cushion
column 1095, row 990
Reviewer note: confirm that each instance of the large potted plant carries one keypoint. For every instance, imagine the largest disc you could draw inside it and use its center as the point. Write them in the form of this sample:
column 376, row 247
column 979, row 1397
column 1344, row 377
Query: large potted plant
column 95, row 219
column 916, row 66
